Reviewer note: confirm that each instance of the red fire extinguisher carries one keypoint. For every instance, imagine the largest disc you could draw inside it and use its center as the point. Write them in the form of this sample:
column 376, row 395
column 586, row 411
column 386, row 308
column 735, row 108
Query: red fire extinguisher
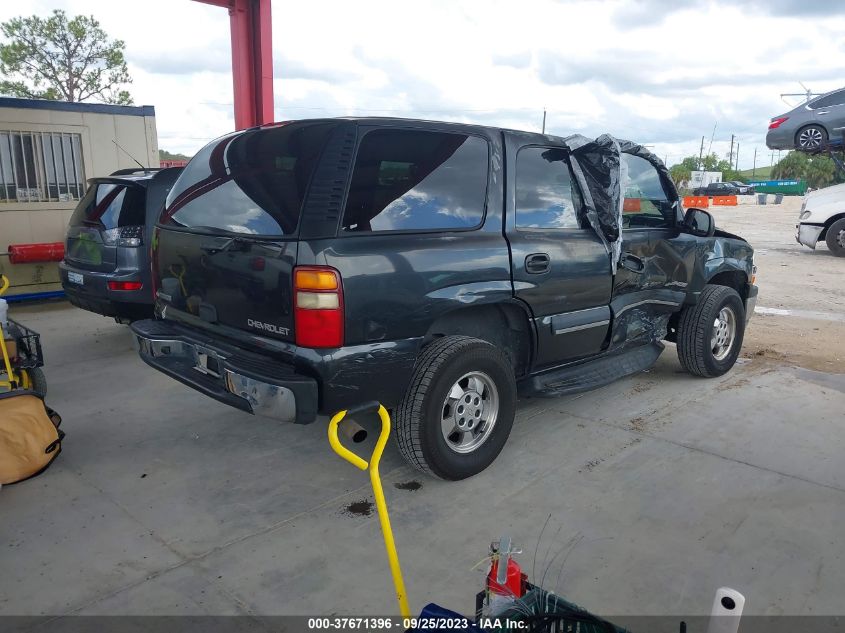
column 505, row 580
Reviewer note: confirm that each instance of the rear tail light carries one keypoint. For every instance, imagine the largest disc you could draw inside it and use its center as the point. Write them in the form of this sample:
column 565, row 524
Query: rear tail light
column 124, row 236
column 125, row 285
column 776, row 123
column 318, row 306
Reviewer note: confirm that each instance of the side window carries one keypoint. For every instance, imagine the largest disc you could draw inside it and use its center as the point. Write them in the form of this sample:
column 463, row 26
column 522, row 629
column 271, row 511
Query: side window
column 407, row 180
column 545, row 194
column 835, row 99
column 646, row 203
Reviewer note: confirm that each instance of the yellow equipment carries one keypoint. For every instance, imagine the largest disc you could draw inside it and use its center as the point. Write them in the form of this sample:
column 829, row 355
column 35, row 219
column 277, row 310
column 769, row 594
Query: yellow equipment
column 20, row 353
column 378, row 492
column 12, row 381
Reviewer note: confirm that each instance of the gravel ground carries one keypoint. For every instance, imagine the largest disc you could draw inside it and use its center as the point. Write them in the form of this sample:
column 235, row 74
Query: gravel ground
column 800, row 317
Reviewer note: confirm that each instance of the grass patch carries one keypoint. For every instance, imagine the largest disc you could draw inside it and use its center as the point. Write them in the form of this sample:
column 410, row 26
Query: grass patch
column 763, row 172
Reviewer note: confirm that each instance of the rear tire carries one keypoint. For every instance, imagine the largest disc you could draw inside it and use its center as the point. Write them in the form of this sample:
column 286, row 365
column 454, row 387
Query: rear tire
column 835, row 238
column 710, row 332
column 458, row 411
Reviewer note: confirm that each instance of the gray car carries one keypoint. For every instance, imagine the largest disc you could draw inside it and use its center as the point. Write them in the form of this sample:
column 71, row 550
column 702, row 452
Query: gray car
column 106, row 268
column 811, row 125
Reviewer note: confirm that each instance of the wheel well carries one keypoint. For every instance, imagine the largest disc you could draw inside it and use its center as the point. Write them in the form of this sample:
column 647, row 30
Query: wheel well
column 804, row 127
column 828, row 223
column 504, row 325
column 735, row 279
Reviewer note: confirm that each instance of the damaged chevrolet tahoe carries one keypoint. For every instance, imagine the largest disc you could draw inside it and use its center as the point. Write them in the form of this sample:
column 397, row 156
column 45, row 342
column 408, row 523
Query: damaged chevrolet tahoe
column 440, row 269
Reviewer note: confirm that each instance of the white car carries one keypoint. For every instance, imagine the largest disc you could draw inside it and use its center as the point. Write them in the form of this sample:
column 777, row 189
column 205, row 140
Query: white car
column 823, row 218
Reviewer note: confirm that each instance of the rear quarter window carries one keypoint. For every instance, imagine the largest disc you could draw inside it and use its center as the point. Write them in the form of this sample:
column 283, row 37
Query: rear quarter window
column 417, row 180
column 249, row 183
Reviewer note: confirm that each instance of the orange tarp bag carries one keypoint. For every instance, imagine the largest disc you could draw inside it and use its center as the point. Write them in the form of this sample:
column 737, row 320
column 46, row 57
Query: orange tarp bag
column 30, row 438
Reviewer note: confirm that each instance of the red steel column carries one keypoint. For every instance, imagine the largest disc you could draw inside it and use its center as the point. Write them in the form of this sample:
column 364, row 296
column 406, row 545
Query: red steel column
column 252, row 60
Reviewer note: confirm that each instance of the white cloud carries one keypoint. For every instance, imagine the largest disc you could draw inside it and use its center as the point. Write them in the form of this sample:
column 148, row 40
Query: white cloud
column 642, row 69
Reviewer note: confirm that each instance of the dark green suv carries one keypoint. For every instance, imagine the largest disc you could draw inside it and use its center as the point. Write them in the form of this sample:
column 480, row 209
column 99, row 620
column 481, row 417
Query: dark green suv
column 440, row 269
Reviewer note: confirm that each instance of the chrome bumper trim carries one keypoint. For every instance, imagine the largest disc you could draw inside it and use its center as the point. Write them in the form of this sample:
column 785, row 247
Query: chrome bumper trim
column 265, row 399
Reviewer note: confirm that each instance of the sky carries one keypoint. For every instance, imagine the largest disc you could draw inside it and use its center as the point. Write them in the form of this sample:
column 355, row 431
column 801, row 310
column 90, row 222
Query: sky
column 663, row 73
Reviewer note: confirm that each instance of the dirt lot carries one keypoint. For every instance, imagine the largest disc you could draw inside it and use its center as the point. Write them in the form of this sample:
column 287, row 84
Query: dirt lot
column 801, row 308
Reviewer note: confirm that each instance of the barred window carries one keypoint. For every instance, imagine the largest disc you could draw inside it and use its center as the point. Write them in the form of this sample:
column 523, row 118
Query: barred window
column 41, row 167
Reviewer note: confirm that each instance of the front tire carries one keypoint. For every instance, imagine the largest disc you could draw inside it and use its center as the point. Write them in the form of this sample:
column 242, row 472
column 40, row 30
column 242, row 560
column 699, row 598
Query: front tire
column 710, row 332
column 811, row 137
column 458, row 411
column 835, row 238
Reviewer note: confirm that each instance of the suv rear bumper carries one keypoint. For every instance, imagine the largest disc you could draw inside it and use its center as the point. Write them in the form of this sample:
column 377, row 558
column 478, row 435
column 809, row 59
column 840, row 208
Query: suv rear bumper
column 94, row 294
column 250, row 382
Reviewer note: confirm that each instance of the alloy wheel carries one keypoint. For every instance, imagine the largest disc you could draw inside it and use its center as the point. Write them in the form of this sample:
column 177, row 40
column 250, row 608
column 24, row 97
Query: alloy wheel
column 811, row 138
column 469, row 412
column 724, row 333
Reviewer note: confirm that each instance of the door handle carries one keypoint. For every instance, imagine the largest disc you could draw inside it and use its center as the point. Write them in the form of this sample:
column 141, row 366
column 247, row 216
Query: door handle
column 825, row 112
column 537, row 263
column 631, row 262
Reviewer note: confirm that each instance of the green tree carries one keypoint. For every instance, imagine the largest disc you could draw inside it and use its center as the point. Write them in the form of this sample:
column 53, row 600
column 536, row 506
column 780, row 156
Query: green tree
column 793, row 165
column 163, row 154
column 680, row 174
column 690, row 163
column 819, row 171
column 58, row 58
column 711, row 162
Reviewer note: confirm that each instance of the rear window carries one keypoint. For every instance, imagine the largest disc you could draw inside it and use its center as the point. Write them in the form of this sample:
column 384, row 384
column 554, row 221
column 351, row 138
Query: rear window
column 406, row 180
column 249, row 183
column 110, row 206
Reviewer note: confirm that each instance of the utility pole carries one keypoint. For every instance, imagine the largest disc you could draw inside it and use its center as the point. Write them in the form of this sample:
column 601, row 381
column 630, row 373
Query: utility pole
column 701, row 154
column 736, row 167
column 544, row 120
column 754, row 168
column 731, row 157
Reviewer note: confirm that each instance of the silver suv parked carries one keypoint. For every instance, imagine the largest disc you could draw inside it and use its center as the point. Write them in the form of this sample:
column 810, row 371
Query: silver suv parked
column 107, row 265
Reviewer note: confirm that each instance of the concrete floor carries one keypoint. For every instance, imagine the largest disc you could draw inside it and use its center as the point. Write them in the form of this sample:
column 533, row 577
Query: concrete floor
column 664, row 486
column 165, row 501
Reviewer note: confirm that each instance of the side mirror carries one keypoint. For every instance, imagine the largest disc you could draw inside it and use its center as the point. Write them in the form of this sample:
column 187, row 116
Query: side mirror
column 699, row 222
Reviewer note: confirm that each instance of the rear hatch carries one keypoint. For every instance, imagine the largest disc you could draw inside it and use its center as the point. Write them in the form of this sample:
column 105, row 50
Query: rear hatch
column 226, row 243
column 110, row 215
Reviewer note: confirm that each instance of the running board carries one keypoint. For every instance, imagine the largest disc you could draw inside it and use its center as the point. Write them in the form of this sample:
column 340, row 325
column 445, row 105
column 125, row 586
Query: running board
column 591, row 374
